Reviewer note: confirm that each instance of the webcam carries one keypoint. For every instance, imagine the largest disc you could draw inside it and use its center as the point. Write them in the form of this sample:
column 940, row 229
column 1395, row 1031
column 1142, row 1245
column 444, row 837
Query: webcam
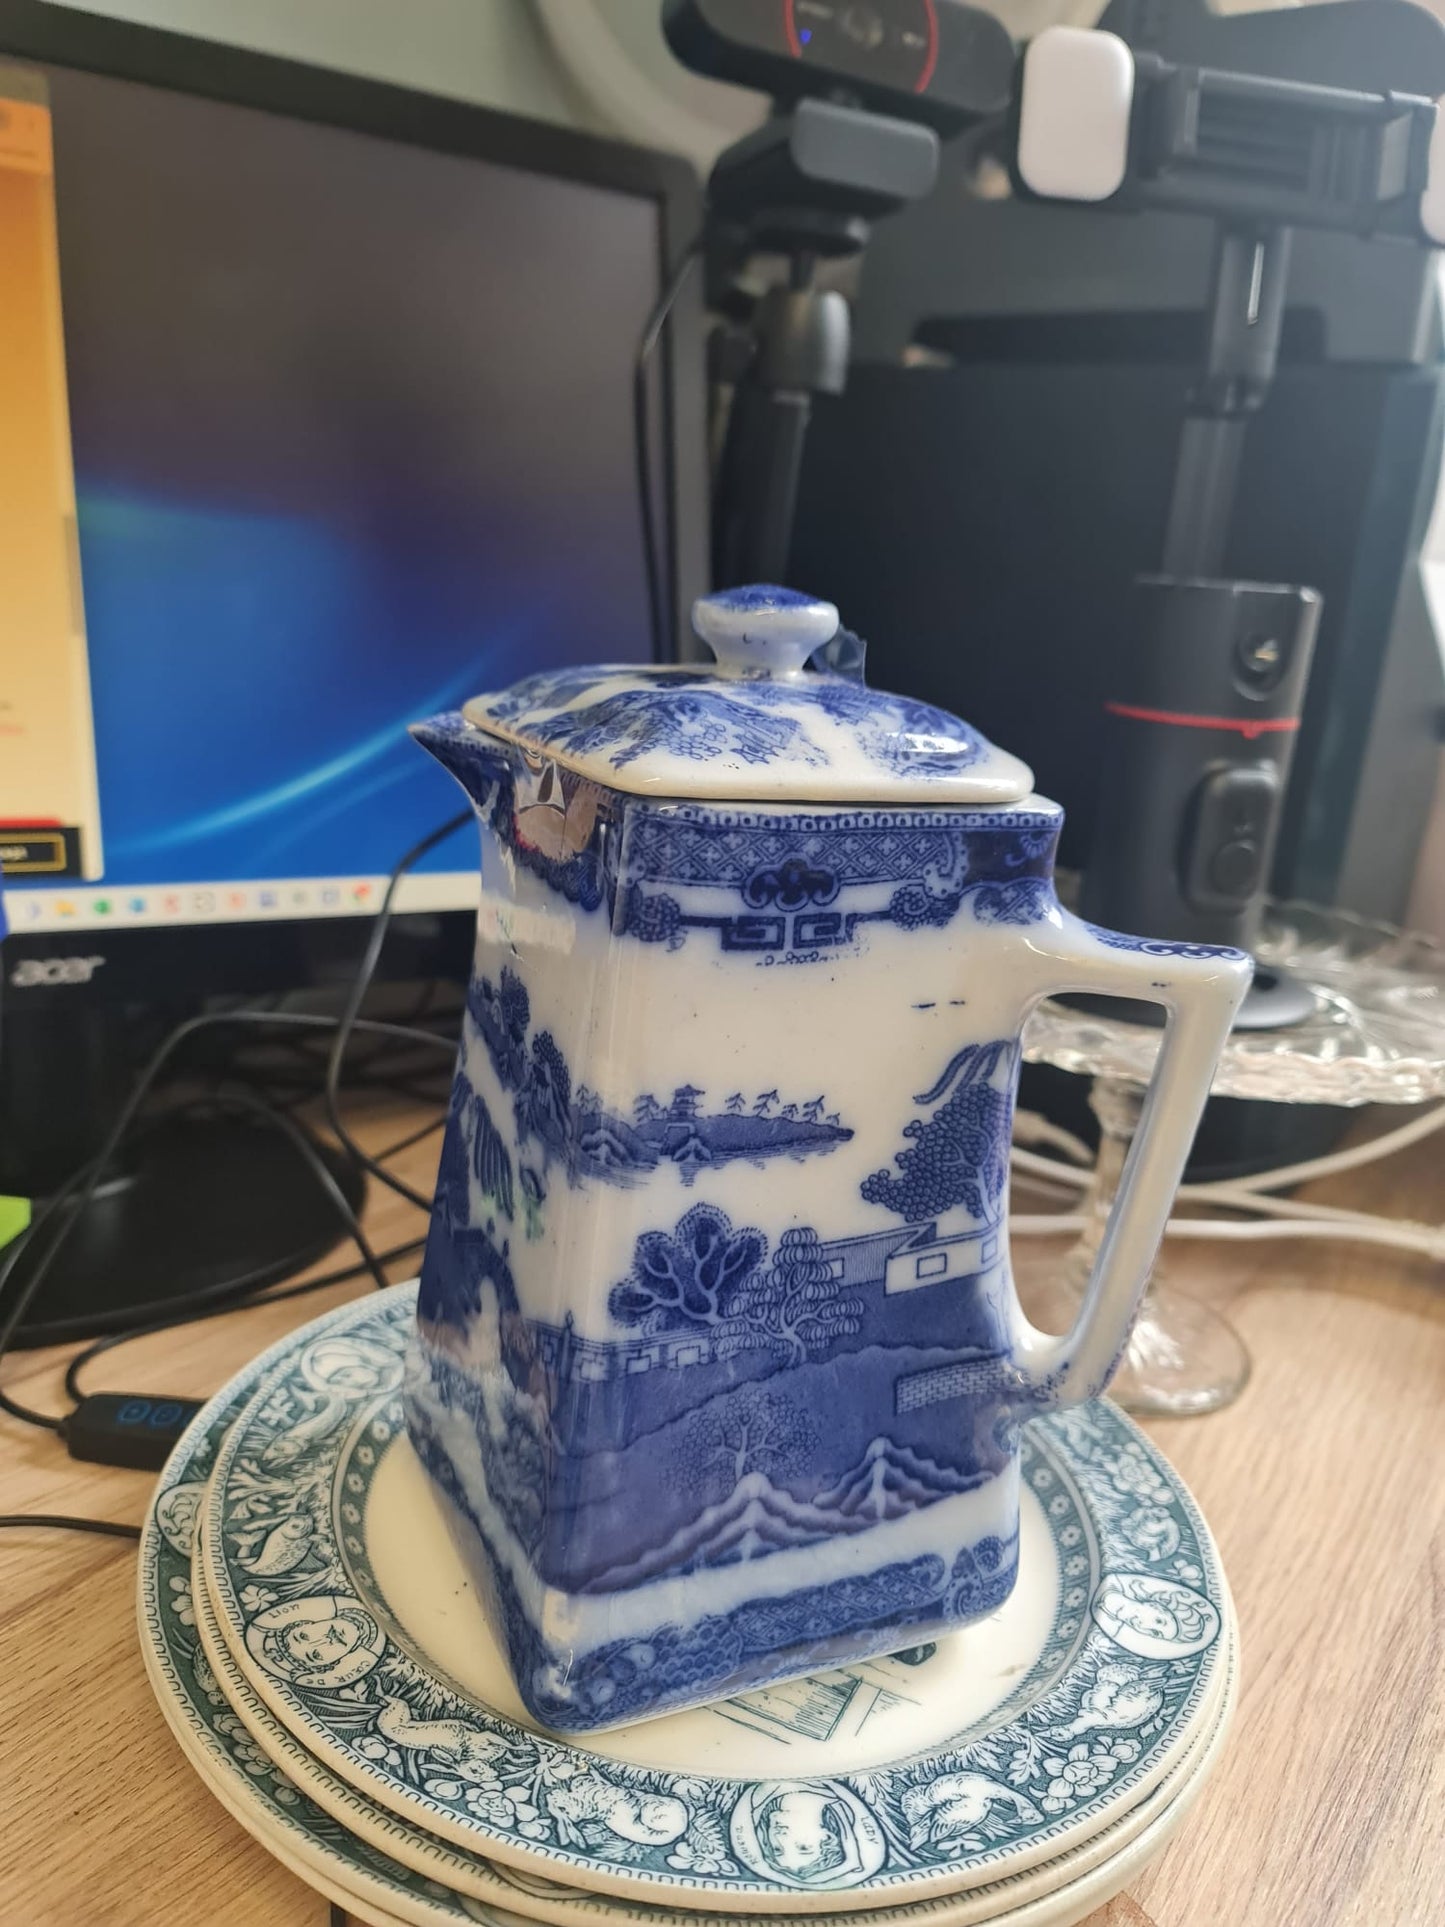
column 937, row 61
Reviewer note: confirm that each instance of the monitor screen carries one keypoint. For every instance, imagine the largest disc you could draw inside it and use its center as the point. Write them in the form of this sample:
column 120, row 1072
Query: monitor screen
column 350, row 431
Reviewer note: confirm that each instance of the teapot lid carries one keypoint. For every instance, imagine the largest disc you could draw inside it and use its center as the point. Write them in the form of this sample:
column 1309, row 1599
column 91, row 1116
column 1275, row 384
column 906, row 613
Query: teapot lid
column 758, row 724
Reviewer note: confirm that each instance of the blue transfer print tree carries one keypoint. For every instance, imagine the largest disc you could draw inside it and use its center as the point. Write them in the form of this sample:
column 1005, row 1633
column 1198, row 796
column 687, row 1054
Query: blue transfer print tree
column 705, row 1276
column 959, row 1155
column 491, row 1160
column 502, row 1015
column 690, row 1276
column 472, row 1147
column 796, row 1303
column 533, row 1188
column 752, row 1431
column 543, row 1105
column 452, row 1196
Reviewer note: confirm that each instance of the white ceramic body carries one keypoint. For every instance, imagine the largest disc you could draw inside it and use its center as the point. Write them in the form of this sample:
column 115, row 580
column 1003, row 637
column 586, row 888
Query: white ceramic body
column 718, row 1350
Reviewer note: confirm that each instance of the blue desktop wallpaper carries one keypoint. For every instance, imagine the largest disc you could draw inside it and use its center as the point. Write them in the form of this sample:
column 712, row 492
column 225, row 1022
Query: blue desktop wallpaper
column 251, row 687
column 351, row 424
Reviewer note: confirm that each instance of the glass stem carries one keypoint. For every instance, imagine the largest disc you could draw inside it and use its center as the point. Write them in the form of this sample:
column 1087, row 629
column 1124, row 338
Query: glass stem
column 1118, row 1107
column 1182, row 1357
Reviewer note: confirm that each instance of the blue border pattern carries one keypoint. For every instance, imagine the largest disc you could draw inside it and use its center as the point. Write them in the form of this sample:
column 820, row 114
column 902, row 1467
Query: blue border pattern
column 1161, row 946
column 800, row 883
column 1101, row 1732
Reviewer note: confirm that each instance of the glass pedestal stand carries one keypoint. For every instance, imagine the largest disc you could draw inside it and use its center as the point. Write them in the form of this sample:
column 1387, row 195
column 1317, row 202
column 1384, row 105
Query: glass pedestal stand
column 1376, row 1035
column 1182, row 1358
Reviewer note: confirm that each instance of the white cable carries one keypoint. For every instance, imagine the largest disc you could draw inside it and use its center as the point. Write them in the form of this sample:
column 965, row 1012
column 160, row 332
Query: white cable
column 1051, row 1170
column 1347, row 1160
column 1287, row 1174
column 1243, row 1200
column 1241, row 1195
column 1233, row 1197
column 1045, row 1224
column 1032, row 1127
column 1323, row 1217
column 1429, row 1243
column 1420, row 1240
column 1284, row 1217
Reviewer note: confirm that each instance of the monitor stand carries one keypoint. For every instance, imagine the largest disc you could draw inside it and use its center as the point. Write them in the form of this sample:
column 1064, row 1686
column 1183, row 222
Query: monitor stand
column 198, row 1201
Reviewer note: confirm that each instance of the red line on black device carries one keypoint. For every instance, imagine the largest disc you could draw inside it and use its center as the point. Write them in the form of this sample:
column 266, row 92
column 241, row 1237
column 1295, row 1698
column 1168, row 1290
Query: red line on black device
column 949, row 66
column 1247, row 726
column 1196, row 743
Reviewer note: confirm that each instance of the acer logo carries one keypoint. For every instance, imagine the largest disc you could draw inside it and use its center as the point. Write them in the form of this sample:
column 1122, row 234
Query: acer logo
column 34, row 973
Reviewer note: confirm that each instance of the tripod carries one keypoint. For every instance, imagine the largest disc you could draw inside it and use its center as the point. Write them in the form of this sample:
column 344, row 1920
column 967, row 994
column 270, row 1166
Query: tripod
column 807, row 186
column 1199, row 732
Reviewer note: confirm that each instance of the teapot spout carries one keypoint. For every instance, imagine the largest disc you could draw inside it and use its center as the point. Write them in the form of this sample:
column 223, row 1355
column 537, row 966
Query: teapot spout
column 459, row 748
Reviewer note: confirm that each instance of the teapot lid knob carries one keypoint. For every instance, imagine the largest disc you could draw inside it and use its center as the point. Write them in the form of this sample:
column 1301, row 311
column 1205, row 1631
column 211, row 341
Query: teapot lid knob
column 763, row 630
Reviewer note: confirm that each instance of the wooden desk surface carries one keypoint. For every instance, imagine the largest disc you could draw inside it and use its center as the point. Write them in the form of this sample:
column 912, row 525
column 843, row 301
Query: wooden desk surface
column 1325, row 1485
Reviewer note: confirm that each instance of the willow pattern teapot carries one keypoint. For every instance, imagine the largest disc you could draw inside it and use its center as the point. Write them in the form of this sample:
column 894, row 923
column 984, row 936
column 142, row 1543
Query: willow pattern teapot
column 718, row 1358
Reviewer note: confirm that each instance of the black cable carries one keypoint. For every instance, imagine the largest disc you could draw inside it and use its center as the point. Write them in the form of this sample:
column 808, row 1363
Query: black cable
column 301, row 1061
column 311, row 1156
column 293, row 1094
column 59, row 1213
column 360, row 983
column 412, row 1137
column 361, row 1067
column 243, row 1298
column 321, row 1171
column 28, row 1415
column 404, row 1087
column 55, row 1219
column 658, row 613
column 231, row 1293
column 107, row 1527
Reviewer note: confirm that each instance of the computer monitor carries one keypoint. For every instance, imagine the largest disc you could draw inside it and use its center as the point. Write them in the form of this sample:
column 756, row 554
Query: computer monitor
column 349, row 383
column 350, row 410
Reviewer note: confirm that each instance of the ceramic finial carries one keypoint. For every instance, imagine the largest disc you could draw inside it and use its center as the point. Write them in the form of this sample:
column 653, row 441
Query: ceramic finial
column 763, row 630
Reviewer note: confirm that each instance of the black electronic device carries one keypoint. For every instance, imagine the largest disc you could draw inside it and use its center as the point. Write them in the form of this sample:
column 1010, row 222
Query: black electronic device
column 1214, row 672
column 807, row 185
column 937, row 60
column 1195, row 748
column 1040, row 363
column 855, row 87
column 138, row 1430
column 349, row 386
column 1210, row 682
column 1196, row 745
column 1200, row 140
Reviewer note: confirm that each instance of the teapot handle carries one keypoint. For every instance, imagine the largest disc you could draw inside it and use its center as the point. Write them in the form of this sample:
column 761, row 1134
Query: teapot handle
column 1200, row 988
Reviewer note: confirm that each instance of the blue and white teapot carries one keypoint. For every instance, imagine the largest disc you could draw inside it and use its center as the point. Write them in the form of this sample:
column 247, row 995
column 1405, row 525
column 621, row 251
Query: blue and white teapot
column 718, row 1356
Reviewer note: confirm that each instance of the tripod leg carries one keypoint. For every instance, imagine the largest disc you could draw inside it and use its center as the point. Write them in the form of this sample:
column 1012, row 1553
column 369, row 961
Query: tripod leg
column 758, row 488
column 802, row 338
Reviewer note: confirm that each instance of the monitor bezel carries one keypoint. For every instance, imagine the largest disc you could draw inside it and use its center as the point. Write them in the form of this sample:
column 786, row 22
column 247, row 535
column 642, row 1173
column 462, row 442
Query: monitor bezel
column 188, row 960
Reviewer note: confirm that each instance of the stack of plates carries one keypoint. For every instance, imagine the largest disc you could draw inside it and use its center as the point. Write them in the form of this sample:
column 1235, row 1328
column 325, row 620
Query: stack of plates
column 314, row 1642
